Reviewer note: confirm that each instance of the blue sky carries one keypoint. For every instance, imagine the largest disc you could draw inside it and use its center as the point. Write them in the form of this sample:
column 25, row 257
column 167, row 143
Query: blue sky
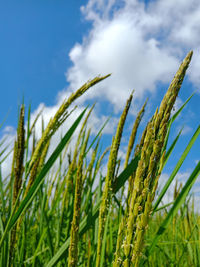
column 36, row 38
column 49, row 49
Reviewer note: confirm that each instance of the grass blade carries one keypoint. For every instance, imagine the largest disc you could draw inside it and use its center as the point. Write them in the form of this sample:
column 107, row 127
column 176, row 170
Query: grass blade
column 169, row 151
column 177, row 167
column 177, row 204
column 173, row 119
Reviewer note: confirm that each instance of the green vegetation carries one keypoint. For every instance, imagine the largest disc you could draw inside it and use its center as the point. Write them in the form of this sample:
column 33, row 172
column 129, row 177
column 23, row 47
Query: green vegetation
column 59, row 210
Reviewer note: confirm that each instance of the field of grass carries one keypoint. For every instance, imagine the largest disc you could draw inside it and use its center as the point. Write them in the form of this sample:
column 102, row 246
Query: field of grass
column 59, row 210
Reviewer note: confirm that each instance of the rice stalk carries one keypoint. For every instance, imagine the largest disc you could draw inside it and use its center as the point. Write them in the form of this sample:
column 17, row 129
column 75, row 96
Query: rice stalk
column 147, row 174
column 18, row 169
column 34, row 171
column 74, row 234
column 121, row 228
column 107, row 191
column 133, row 133
column 91, row 164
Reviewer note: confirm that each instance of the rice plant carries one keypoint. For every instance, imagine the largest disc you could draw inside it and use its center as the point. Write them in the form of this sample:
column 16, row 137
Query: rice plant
column 58, row 209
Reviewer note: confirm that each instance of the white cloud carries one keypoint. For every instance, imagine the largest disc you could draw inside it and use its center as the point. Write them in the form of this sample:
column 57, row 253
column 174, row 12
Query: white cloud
column 120, row 44
column 8, row 141
column 186, row 129
column 139, row 44
column 193, row 72
column 178, row 23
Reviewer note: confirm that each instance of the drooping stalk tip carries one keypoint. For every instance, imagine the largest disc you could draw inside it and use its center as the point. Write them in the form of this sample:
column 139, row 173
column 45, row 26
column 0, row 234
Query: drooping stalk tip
column 60, row 116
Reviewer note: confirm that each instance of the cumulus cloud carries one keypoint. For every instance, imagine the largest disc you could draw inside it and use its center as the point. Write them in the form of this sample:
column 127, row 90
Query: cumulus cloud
column 120, row 45
column 140, row 44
